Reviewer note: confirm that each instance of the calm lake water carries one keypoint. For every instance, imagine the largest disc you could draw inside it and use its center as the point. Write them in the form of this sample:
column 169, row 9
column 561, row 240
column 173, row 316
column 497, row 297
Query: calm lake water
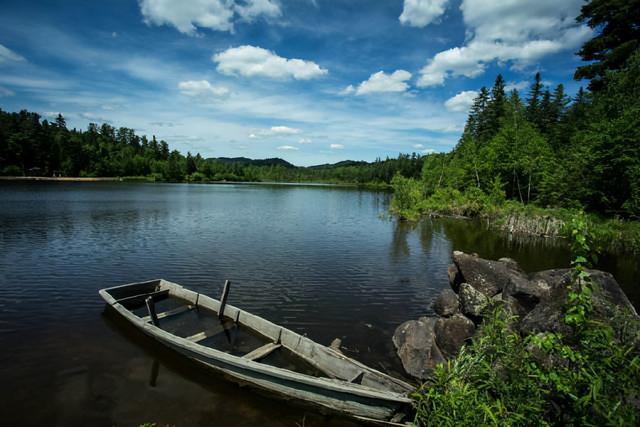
column 323, row 261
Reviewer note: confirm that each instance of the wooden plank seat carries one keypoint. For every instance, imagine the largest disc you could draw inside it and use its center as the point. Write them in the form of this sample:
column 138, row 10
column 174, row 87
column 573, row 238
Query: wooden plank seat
column 200, row 336
column 261, row 352
column 158, row 295
column 172, row 312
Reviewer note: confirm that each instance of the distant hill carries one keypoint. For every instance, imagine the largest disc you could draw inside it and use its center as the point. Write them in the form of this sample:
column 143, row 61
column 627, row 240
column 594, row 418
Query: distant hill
column 341, row 164
column 276, row 161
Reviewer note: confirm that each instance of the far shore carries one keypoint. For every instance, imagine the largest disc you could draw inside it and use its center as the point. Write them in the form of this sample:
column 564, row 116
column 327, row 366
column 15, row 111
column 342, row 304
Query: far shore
column 57, row 178
column 144, row 179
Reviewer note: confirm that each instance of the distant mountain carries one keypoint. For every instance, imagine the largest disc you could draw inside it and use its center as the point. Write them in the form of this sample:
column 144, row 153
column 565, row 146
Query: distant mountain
column 341, row 164
column 276, row 161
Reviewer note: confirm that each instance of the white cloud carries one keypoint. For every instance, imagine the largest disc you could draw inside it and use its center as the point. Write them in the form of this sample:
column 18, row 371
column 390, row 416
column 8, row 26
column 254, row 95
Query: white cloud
column 51, row 114
column 382, row 82
column 516, row 31
column 336, row 146
column 274, row 131
column 202, row 88
column 7, row 55
column 288, row 148
column 6, row 92
column 462, row 101
column 418, row 146
column 347, row 90
column 284, row 130
column 219, row 15
column 304, row 141
column 250, row 61
column 516, row 85
column 420, row 13
column 255, row 8
column 428, row 151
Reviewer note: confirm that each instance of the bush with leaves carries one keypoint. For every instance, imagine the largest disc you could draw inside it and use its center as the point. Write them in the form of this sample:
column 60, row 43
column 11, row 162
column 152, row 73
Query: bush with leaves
column 589, row 377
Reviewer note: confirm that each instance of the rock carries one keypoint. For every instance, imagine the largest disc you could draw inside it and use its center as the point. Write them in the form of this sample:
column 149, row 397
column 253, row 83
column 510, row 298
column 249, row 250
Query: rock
column 452, row 332
column 446, row 304
column 472, row 301
column 455, row 278
column 548, row 314
column 511, row 263
column 528, row 293
column 416, row 346
column 489, row 277
column 545, row 317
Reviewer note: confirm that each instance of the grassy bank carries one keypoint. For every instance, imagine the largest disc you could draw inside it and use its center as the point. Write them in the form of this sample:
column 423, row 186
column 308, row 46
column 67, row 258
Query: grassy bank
column 409, row 202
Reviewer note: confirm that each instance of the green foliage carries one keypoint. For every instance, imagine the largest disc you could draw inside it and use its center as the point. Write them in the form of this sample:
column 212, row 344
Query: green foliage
column 590, row 378
column 32, row 146
column 407, row 196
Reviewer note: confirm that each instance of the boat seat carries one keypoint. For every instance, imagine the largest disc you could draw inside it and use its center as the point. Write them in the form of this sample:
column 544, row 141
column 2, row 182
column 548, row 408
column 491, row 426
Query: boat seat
column 171, row 312
column 261, row 352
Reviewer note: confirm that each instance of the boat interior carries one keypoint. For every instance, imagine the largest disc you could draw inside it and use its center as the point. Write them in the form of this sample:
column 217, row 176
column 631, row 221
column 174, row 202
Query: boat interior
column 195, row 317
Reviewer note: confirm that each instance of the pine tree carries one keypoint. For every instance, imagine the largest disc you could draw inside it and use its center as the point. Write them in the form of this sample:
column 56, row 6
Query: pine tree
column 496, row 106
column 618, row 38
column 533, row 103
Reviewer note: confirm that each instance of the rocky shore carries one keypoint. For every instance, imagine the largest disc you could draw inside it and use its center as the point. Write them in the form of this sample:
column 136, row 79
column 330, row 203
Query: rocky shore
column 478, row 285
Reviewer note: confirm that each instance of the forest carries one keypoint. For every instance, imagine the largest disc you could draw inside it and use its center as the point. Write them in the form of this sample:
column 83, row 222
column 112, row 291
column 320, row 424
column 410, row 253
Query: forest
column 30, row 145
column 547, row 149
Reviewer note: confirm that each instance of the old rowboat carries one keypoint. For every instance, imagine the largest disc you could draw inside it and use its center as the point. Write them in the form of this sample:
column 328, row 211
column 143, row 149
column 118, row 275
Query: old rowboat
column 254, row 351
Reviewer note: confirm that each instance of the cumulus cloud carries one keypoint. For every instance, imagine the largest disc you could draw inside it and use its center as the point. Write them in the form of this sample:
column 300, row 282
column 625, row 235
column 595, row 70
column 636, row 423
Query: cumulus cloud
column 288, row 148
column 219, row 15
column 251, row 61
column 420, row 13
column 462, row 101
column 347, row 90
column 201, row 89
column 304, row 141
column 382, row 82
column 274, row 131
column 516, row 31
column 7, row 55
column 336, row 146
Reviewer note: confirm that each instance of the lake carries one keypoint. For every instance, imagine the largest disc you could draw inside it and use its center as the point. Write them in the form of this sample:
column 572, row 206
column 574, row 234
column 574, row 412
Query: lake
column 323, row 261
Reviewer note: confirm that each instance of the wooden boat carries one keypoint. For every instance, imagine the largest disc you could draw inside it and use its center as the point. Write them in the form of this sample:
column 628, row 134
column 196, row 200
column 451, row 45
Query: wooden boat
column 252, row 350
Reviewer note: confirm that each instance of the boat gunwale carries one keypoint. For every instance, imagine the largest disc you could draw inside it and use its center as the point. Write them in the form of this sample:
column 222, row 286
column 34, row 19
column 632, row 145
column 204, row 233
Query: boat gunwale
column 337, row 385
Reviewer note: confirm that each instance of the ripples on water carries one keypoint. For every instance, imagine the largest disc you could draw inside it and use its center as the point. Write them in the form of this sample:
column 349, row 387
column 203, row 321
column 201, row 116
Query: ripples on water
column 318, row 260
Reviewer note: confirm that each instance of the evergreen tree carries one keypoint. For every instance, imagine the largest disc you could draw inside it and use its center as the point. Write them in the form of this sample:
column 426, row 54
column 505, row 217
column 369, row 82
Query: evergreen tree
column 617, row 39
column 533, row 102
column 496, row 106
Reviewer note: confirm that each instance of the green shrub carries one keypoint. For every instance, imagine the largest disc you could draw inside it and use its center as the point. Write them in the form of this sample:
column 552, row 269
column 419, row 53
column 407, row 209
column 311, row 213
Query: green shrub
column 591, row 377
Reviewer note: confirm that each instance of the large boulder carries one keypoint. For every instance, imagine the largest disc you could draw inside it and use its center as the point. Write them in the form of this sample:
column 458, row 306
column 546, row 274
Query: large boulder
column 446, row 303
column 416, row 346
column 472, row 301
column 455, row 278
column 452, row 332
column 488, row 277
column 548, row 315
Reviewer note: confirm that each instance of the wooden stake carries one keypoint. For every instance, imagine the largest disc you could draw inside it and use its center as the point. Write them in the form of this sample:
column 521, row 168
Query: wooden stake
column 151, row 307
column 223, row 298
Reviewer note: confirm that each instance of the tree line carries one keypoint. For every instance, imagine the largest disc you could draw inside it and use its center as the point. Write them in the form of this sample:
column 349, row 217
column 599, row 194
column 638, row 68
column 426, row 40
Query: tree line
column 549, row 149
column 31, row 145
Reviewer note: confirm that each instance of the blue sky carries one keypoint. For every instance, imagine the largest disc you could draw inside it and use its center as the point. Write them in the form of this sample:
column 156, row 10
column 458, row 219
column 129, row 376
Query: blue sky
column 311, row 81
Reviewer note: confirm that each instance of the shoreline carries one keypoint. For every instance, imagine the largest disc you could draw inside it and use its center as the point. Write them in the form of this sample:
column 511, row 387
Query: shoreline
column 135, row 179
